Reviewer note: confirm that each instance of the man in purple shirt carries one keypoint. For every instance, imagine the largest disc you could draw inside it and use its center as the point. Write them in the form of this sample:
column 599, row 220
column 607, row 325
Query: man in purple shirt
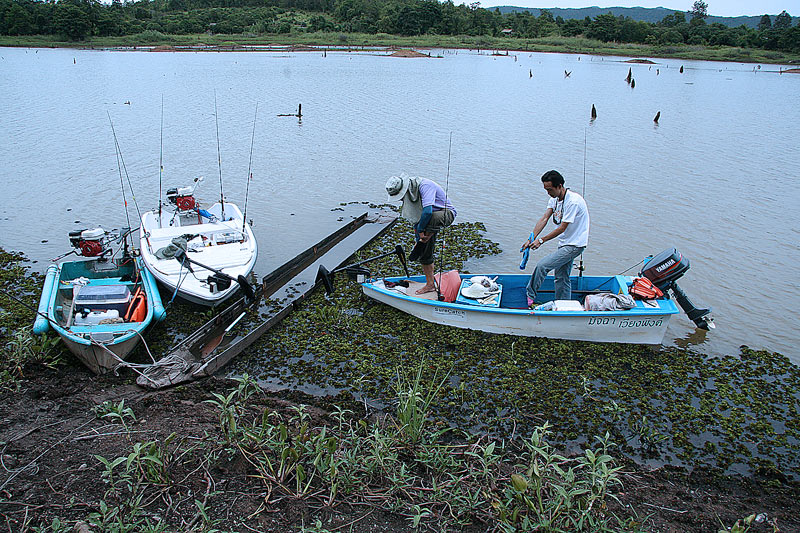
column 427, row 206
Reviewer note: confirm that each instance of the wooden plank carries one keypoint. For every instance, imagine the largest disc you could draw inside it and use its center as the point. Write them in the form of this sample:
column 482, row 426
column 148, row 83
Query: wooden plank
column 184, row 362
column 307, row 279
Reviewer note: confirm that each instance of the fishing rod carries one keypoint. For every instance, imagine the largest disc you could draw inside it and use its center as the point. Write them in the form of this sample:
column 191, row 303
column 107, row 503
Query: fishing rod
column 441, row 256
column 120, row 164
column 161, row 161
column 30, row 307
column 581, row 268
column 249, row 171
column 219, row 158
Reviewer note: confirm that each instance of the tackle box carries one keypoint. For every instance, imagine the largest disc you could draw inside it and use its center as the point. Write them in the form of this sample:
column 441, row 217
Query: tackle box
column 104, row 297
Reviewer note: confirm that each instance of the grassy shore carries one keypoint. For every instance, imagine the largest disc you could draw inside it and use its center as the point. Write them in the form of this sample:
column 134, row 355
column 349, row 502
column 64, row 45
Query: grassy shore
column 462, row 432
column 577, row 45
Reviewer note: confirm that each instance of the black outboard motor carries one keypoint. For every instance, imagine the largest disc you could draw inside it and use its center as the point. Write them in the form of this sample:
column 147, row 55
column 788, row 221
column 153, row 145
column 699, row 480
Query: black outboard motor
column 664, row 270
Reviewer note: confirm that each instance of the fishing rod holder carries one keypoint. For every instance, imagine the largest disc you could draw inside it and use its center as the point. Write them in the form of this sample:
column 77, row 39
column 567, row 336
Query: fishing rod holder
column 219, row 279
column 357, row 271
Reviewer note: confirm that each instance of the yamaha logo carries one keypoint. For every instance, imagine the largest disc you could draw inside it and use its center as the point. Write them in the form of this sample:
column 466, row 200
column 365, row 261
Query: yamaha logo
column 661, row 268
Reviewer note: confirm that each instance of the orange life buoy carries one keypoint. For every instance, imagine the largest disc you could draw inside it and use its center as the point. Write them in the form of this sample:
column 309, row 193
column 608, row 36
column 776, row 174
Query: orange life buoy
column 137, row 309
column 140, row 310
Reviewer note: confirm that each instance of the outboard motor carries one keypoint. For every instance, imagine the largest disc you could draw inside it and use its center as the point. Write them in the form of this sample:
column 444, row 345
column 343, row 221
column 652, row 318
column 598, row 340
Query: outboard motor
column 88, row 242
column 183, row 197
column 664, row 270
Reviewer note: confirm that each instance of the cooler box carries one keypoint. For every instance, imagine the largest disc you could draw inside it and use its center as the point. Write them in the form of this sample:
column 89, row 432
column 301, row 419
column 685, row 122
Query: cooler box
column 103, row 297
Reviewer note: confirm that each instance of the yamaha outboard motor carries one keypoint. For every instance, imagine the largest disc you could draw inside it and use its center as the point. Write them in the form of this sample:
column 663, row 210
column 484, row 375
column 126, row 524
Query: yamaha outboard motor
column 664, row 270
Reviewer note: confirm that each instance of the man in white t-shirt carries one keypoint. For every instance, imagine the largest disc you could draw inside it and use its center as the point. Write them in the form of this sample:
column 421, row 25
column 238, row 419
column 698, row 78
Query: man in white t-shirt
column 571, row 217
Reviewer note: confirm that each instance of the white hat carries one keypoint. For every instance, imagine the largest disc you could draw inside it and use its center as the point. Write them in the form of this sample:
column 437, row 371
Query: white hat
column 397, row 186
column 478, row 290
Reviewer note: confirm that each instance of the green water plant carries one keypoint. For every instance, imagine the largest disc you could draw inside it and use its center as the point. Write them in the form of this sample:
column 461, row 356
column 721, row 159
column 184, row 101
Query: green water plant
column 232, row 405
column 747, row 523
column 414, row 400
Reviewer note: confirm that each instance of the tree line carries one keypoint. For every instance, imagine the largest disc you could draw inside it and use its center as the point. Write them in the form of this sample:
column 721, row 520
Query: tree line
column 82, row 19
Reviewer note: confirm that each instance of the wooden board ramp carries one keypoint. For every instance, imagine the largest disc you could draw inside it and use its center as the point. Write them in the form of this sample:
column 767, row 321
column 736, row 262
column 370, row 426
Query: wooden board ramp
column 216, row 342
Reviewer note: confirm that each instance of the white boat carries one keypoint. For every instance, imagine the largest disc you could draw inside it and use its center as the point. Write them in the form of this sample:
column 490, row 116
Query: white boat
column 506, row 310
column 203, row 255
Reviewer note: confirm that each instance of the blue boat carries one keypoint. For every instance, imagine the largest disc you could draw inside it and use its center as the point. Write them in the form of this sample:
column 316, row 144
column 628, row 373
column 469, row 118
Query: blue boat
column 503, row 307
column 99, row 307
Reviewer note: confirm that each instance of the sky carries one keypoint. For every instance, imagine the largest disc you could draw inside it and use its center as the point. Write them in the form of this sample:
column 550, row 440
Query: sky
column 720, row 8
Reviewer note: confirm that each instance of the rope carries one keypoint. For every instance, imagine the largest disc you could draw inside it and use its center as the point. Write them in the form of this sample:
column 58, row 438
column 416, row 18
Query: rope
column 177, row 285
column 169, row 360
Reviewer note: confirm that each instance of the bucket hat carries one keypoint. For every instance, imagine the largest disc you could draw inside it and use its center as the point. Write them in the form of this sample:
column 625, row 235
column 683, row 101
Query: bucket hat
column 396, row 187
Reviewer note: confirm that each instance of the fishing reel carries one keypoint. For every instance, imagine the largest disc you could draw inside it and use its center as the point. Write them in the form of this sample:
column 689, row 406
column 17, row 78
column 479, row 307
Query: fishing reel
column 183, row 197
column 89, row 242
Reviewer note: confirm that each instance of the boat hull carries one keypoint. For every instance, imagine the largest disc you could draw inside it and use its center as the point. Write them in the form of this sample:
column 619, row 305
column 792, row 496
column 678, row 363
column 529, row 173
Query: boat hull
column 639, row 325
column 101, row 347
column 100, row 358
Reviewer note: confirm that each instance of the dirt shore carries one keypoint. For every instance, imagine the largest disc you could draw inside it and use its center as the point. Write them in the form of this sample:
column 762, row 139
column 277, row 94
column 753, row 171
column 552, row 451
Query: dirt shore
column 51, row 440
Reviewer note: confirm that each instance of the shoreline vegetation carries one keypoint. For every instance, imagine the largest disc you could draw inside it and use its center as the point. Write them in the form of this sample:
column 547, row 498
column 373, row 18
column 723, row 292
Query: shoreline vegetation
column 322, row 41
column 340, row 419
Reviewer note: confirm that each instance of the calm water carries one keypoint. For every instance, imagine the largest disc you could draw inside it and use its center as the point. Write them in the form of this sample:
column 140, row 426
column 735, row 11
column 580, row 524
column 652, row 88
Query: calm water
column 715, row 178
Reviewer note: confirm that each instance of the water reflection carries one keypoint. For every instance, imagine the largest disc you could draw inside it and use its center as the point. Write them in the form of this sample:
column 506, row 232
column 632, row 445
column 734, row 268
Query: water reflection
column 692, row 339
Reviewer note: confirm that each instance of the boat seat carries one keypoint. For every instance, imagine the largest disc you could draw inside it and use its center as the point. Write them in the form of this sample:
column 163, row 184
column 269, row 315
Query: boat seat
column 623, row 284
column 167, row 234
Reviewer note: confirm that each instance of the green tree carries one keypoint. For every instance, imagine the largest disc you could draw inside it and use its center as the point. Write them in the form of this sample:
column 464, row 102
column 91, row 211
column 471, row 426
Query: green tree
column 783, row 21
column 699, row 10
column 675, row 19
column 16, row 20
column 672, row 36
column 73, row 20
column 572, row 27
column 765, row 23
column 604, row 28
column 546, row 16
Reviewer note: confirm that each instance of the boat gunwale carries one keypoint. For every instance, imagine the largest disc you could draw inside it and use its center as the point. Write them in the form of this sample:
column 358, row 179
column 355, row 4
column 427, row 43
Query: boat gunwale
column 134, row 329
column 200, row 296
column 671, row 307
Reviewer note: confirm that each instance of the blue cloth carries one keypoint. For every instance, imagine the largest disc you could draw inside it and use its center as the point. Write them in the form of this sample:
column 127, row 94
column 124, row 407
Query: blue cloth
column 525, row 254
column 560, row 261
column 206, row 214
column 427, row 212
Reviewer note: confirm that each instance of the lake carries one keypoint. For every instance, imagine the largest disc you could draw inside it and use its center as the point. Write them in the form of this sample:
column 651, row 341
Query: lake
column 715, row 177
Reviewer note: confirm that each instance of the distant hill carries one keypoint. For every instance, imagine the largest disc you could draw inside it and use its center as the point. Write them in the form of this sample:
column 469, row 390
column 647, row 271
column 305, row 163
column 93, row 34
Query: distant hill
column 646, row 14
